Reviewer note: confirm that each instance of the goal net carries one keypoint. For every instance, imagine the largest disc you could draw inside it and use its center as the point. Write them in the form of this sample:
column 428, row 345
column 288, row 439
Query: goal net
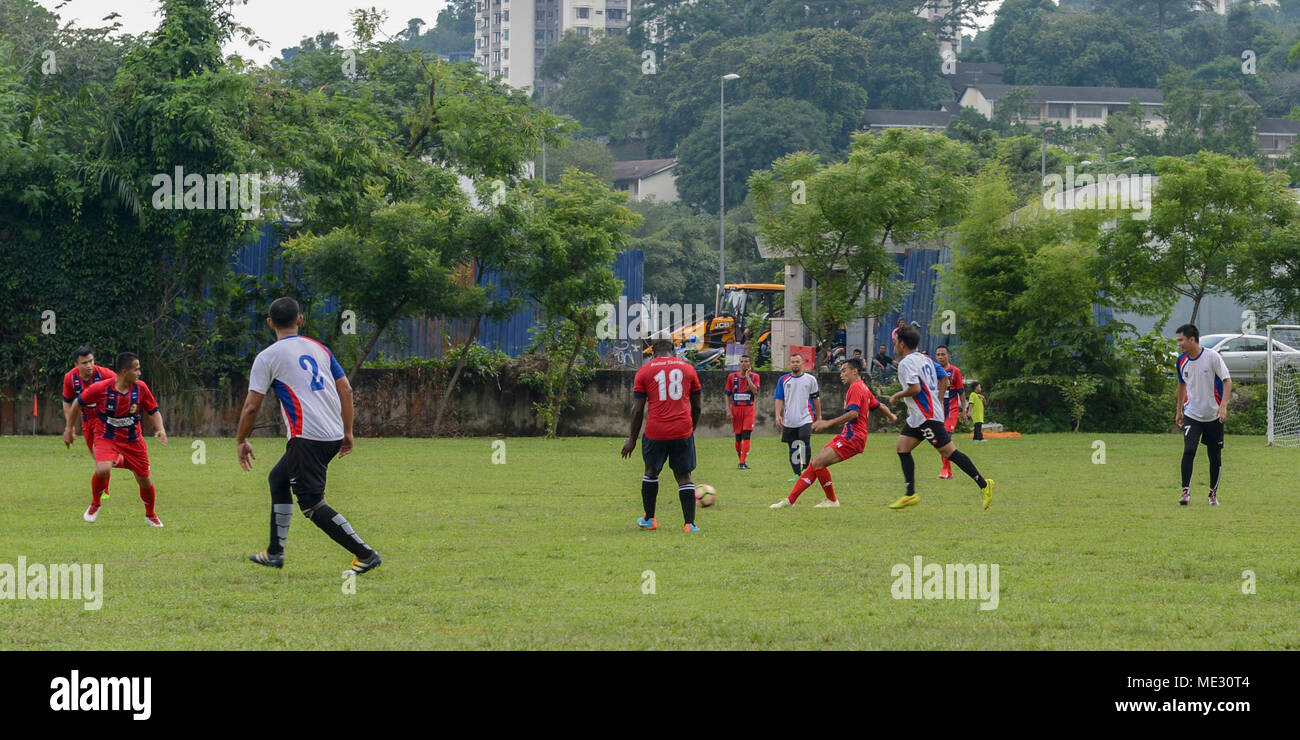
column 1284, row 386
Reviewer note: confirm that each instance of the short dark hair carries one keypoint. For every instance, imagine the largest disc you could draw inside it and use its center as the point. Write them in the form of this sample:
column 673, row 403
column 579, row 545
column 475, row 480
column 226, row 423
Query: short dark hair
column 1190, row 331
column 909, row 336
column 81, row 352
column 942, row 346
column 284, row 312
column 855, row 363
column 857, row 351
column 976, row 387
column 124, row 361
column 745, row 357
column 662, row 347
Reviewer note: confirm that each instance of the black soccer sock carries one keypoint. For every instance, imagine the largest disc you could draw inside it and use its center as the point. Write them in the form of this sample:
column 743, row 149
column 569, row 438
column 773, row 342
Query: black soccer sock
column 687, row 494
column 1216, row 464
column 333, row 524
column 961, row 460
column 1189, row 457
column 649, row 493
column 909, row 471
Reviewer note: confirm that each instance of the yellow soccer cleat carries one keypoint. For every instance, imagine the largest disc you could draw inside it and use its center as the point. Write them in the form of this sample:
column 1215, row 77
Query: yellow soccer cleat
column 987, row 490
column 905, row 501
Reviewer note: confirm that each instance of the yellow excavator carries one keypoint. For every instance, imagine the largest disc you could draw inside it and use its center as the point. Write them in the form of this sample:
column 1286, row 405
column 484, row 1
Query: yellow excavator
column 726, row 325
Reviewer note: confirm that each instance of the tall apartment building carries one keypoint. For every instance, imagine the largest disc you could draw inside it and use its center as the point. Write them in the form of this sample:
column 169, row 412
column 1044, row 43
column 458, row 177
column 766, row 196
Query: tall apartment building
column 512, row 36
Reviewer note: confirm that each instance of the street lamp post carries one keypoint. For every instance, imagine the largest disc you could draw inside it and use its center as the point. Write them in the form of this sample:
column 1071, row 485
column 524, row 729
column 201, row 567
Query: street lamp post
column 1108, row 163
column 722, row 188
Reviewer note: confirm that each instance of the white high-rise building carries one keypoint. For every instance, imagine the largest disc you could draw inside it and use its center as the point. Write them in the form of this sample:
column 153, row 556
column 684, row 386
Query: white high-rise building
column 511, row 36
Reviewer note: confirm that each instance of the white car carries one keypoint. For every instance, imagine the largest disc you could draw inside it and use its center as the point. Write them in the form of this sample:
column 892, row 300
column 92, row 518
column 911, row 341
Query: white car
column 1246, row 355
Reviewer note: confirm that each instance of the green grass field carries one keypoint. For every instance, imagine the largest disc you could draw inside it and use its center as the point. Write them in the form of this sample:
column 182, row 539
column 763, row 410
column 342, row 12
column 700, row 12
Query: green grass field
column 542, row 552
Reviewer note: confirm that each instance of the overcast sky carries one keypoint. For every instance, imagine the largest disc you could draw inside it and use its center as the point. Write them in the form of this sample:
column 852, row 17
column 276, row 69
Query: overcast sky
column 283, row 23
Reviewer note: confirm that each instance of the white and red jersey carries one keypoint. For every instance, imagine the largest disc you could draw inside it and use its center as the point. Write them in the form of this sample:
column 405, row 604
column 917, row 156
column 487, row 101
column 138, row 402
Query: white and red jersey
column 924, row 406
column 1201, row 378
column 73, row 385
column 302, row 372
column 667, row 384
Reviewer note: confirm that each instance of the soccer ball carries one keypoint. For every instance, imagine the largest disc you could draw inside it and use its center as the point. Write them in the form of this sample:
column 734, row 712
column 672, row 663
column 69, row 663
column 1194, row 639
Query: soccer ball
column 705, row 494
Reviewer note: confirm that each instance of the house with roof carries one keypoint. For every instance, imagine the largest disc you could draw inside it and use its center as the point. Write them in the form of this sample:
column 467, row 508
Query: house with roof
column 1277, row 135
column 878, row 118
column 646, row 179
column 1069, row 106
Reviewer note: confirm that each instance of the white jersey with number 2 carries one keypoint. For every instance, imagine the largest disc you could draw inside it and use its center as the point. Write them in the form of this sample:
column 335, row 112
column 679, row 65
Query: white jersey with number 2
column 302, row 372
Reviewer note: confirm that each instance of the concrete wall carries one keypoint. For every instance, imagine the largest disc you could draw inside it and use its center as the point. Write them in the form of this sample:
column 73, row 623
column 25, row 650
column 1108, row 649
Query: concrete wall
column 400, row 403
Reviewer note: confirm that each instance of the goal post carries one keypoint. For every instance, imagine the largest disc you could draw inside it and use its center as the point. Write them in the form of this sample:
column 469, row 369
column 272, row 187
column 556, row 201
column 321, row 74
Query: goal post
column 1284, row 385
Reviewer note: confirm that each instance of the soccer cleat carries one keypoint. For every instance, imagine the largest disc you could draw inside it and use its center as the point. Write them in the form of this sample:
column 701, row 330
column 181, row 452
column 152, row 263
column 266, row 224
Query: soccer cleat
column 267, row 559
column 828, row 504
column 905, row 501
column 743, row 466
column 92, row 513
column 794, row 478
column 1185, row 499
column 690, row 528
column 1214, row 499
column 987, row 490
column 361, row 566
column 945, row 476
column 647, row 523
column 153, row 521
column 782, row 504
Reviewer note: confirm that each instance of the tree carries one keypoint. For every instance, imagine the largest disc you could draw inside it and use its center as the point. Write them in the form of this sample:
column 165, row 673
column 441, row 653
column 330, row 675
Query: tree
column 1158, row 15
column 835, row 220
column 1198, row 119
column 1209, row 213
column 568, row 269
column 758, row 132
column 596, row 77
column 584, row 155
column 1054, row 48
column 905, row 64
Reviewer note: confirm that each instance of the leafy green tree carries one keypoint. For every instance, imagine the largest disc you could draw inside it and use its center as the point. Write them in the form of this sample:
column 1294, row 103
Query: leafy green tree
column 906, row 70
column 584, row 155
column 1209, row 214
column 758, row 132
column 596, row 76
column 1080, row 49
column 1198, row 119
column 836, row 219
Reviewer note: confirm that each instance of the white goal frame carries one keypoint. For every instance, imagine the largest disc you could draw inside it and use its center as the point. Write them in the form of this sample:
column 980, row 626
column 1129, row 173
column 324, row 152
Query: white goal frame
column 1271, row 327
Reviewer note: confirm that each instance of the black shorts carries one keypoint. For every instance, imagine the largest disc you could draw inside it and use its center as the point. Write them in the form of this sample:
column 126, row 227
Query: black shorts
column 790, row 434
column 679, row 453
column 931, row 431
column 304, row 465
column 1208, row 433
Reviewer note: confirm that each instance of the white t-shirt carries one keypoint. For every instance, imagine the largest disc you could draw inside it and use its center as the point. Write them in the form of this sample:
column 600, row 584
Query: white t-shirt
column 302, row 372
column 797, row 392
column 1203, row 378
column 924, row 406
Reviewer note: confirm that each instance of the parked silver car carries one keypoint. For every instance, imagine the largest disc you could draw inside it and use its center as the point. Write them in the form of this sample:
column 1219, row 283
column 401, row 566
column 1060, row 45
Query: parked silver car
column 1246, row 355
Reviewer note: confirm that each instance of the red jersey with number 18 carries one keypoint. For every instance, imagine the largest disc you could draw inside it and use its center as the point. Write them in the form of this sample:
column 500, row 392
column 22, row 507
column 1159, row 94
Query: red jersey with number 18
column 667, row 384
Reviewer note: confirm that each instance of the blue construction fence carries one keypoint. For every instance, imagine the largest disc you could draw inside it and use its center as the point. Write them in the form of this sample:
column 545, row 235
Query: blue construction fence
column 921, row 269
column 429, row 338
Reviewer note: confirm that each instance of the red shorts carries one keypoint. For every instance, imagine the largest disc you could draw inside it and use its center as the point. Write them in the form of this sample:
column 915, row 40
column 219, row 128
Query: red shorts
column 742, row 419
column 950, row 420
column 90, row 430
column 847, row 448
column 135, row 456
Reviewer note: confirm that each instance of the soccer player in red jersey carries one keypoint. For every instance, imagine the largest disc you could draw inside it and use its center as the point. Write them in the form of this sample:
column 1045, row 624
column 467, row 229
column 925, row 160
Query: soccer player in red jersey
column 83, row 373
column 118, row 403
column 852, row 439
column 741, row 388
column 671, row 389
column 954, row 402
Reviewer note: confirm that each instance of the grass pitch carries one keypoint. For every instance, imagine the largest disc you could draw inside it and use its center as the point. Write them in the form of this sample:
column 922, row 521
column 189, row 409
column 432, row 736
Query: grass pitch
column 542, row 552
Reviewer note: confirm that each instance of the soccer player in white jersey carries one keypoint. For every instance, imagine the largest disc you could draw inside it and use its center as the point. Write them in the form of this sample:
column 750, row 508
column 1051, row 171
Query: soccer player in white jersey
column 1204, row 387
column 924, row 398
column 316, row 399
column 798, row 407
